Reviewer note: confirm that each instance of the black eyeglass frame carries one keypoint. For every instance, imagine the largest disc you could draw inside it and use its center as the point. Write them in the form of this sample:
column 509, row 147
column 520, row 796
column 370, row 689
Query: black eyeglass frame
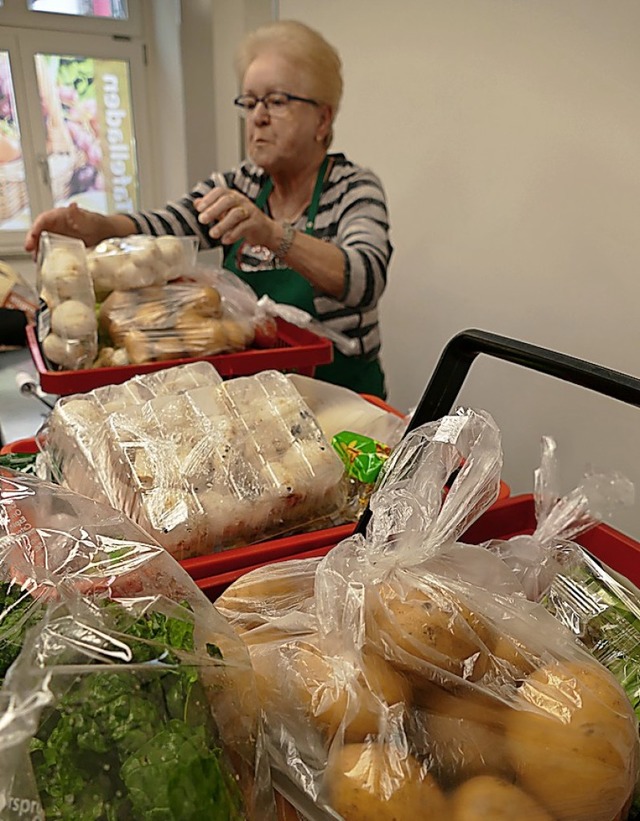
column 289, row 97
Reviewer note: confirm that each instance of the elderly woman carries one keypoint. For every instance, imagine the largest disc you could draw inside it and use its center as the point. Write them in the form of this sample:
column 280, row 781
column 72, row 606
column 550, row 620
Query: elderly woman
column 302, row 225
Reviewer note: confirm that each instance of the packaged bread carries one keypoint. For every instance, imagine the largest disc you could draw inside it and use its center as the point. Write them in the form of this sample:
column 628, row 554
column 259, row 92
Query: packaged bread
column 201, row 464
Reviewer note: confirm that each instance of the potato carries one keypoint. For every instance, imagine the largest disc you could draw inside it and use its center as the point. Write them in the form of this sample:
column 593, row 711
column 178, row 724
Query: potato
column 463, row 734
column 189, row 319
column 436, row 628
column 154, row 314
column 116, row 314
column 333, row 691
column 381, row 782
column 265, row 593
column 573, row 741
column 165, row 347
column 238, row 335
column 206, row 302
column 519, row 660
column 203, row 339
column 486, row 798
column 137, row 347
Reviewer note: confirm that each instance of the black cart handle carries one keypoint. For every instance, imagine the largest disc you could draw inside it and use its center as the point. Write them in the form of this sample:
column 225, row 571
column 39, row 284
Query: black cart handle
column 460, row 352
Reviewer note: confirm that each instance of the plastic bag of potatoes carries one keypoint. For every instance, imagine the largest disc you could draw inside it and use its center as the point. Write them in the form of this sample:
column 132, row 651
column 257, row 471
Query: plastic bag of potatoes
column 406, row 675
column 178, row 320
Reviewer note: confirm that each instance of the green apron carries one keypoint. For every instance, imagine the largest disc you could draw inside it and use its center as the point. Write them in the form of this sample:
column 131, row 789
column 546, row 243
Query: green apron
column 286, row 286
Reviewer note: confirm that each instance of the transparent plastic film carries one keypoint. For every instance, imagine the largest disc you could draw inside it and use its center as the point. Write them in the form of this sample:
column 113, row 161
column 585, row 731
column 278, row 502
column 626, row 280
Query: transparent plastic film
column 66, row 323
column 411, row 495
column 296, row 316
column 139, row 261
column 537, row 558
column 202, row 465
column 405, row 674
column 178, row 320
column 124, row 693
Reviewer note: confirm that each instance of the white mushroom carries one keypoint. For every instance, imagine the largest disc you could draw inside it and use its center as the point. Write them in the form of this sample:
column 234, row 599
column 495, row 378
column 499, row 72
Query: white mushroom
column 74, row 320
column 172, row 250
column 130, row 276
column 64, row 274
column 69, row 354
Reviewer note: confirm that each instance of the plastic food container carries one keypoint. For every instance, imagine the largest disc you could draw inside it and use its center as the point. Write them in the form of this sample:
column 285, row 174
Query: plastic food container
column 297, row 350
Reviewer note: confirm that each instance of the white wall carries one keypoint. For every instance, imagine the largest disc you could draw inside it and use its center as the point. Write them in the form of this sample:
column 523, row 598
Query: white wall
column 506, row 133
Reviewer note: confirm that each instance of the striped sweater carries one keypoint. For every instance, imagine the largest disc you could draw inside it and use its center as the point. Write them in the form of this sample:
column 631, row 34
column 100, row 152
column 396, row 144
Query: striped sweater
column 352, row 214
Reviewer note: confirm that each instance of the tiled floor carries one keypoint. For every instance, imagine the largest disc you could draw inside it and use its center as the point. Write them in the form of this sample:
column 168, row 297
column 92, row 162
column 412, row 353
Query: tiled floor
column 20, row 415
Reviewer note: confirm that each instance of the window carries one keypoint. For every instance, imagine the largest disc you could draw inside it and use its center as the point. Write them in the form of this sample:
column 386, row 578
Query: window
column 114, row 9
column 73, row 120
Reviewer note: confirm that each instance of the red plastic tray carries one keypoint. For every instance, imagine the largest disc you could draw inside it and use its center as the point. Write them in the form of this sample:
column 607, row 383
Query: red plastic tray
column 297, row 350
column 508, row 516
column 20, row 446
column 215, row 572
column 516, row 516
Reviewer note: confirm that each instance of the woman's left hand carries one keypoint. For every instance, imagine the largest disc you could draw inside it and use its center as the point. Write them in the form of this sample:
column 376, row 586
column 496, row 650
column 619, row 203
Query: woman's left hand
column 233, row 216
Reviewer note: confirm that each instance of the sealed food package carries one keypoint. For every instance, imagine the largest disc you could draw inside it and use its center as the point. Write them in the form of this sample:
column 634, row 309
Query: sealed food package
column 66, row 323
column 137, row 261
column 176, row 321
column 406, row 674
column 538, row 558
column 124, row 693
column 201, row 464
column 76, row 443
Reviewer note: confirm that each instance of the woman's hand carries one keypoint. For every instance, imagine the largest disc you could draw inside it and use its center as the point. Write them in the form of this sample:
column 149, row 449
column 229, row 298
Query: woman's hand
column 73, row 221
column 233, row 216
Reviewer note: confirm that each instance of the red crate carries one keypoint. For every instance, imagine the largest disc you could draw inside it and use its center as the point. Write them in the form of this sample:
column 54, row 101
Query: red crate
column 516, row 516
column 216, row 571
column 20, row 446
column 297, row 350
column 509, row 516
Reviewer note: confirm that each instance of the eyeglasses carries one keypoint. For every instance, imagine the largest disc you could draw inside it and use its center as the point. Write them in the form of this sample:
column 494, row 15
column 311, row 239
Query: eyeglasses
column 276, row 102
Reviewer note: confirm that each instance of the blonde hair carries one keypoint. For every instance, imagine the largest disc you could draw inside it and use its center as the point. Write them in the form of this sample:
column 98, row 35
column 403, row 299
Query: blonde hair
column 305, row 48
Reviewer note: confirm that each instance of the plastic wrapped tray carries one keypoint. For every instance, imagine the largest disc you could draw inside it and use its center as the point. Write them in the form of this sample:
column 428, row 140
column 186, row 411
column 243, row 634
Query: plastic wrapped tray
column 297, row 350
column 215, row 572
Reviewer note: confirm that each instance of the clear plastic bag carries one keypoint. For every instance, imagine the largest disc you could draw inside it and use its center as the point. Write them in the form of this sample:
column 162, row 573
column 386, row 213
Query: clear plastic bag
column 139, row 261
column 406, row 674
column 177, row 321
column 67, row 327
column 202, row 465
column 537, row 558
column 124, row 693
column 241, row 300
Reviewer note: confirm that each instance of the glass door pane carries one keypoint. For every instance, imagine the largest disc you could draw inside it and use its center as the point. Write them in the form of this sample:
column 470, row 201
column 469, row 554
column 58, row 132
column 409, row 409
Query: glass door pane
column 91, row 146
column 113, row 9
column 14, row 201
